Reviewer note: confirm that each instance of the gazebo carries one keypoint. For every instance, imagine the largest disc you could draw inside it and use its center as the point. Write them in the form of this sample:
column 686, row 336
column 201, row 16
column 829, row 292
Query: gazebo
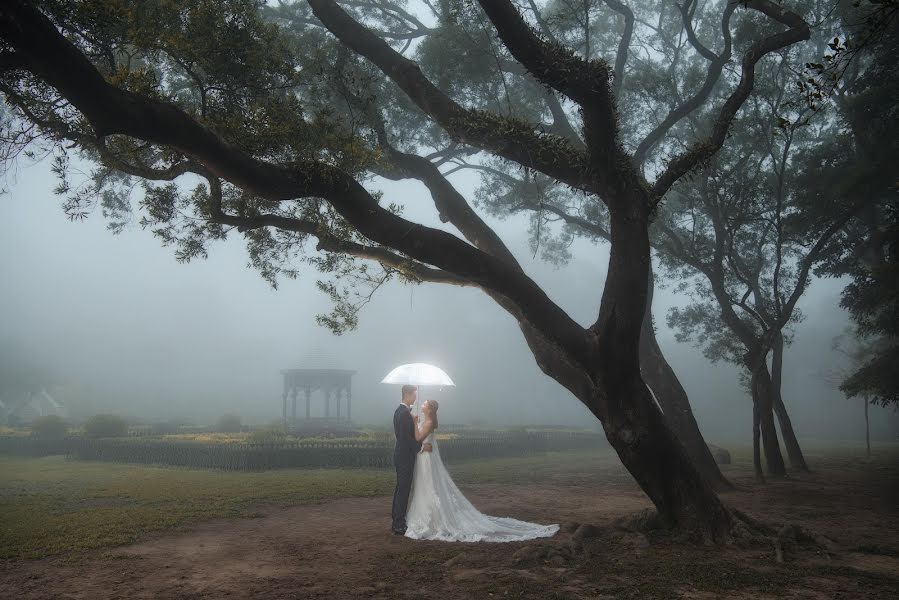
column 333, row 383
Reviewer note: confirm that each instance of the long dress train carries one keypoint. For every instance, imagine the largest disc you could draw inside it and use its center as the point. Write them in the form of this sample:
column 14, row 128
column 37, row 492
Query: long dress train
column 439, row 511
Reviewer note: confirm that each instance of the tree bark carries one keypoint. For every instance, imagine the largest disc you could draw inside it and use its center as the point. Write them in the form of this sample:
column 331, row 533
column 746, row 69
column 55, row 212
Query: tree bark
column 794, row 452
column 633, row 423
column 756, row 441
column 763, row 399
column 672, row 398
column 659, row 463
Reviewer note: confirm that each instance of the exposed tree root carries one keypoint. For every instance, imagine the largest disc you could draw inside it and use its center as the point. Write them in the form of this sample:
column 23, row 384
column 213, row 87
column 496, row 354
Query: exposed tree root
column 634, row 534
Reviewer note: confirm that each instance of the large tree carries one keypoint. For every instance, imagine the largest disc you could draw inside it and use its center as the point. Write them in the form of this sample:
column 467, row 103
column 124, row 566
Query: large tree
column 158, row 91
column 493, row 81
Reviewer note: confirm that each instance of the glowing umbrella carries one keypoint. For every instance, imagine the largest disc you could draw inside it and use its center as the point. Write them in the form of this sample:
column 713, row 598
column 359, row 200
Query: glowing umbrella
column 418, row 374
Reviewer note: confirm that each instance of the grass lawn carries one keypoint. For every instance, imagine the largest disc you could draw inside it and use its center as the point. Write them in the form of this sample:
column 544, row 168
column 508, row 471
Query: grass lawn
column 51, row 505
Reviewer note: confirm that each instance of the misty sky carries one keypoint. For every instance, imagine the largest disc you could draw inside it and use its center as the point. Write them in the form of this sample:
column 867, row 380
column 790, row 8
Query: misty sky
column 123, row 324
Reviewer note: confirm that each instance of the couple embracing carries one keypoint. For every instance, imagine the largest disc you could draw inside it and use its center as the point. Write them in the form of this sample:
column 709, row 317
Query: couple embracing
column 427, row 505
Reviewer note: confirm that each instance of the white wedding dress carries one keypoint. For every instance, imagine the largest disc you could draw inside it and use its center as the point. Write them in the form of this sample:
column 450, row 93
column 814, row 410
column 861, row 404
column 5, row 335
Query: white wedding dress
column 439, row 511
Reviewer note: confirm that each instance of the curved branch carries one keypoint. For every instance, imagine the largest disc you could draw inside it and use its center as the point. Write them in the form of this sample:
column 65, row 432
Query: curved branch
column 713, row 73
column 325, row 242
column 56, row 61
column 452, row 206
column 624, row 44
column 799, row 30
column 509, row 138
column 687, row 11
column 586, row 82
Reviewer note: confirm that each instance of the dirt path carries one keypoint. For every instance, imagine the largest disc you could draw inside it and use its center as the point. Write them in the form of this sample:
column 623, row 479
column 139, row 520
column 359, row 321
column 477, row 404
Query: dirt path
column 343, row 549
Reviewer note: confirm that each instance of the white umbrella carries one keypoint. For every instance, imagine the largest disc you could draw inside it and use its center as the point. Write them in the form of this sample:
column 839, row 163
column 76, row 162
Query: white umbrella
column 418, row 374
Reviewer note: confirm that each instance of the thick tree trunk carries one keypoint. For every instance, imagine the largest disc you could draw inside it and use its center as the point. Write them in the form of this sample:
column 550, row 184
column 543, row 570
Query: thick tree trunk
column 658, row 461
column 672, row 398
column 794, row 452
column 763, row 398
column 633, row 423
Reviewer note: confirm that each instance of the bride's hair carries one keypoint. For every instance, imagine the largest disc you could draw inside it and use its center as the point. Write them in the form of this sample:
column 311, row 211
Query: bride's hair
column 434, row 405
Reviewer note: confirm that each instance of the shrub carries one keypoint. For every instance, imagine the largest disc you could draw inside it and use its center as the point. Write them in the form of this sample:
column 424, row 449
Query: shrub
column 273, row 434
column 100, row 426
column 228, row 424
column 51, row 427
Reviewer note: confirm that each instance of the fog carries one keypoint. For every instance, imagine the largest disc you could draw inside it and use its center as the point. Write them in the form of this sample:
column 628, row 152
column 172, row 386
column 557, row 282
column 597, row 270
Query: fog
column 124, row 328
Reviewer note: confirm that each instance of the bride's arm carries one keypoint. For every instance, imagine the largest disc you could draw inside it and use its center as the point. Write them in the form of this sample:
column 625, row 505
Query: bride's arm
column 422, row 432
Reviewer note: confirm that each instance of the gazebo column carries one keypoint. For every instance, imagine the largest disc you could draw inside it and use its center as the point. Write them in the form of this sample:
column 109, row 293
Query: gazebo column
column 349, row 398
column 339, row 392
column 284, row 404
column 293, row 412
column 308, row 395
column 327, row 402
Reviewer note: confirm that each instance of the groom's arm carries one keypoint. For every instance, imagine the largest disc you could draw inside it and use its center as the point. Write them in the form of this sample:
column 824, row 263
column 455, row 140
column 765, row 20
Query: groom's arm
column 410, row 431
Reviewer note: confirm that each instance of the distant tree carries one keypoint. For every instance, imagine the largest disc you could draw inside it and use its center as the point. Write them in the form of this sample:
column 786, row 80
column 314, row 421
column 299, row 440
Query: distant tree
column 769, row 209
column 105, row 425
column 855, row 352
column 51, row 427
column 270, row 434
column 229, row 424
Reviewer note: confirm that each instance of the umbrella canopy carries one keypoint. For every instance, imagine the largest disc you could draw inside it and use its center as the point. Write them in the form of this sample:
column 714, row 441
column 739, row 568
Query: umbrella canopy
column 418, row 374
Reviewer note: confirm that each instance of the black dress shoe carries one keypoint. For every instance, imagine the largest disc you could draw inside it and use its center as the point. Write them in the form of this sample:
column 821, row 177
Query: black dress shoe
column 399, row 532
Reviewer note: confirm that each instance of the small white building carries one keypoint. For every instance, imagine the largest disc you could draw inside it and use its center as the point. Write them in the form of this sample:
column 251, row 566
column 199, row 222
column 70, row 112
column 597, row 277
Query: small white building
column 22, row 407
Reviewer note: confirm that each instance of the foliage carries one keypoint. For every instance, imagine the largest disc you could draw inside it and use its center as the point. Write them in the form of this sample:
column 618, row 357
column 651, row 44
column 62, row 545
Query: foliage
column 229, row 423
column 105, row 425
column 273, row 434
column 775, row 193
column 49, row 427
column 860, row 161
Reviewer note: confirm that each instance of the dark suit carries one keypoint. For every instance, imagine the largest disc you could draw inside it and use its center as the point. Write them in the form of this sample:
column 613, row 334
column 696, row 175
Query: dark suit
column 404, row 458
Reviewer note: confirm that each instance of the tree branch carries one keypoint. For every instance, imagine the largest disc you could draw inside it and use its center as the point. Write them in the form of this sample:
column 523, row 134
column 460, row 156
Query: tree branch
column 713, row 73
column 111, row 110
column 326, row 242
column 798, row 30
column 509, row 138
column 624, row 44
column 586, row 82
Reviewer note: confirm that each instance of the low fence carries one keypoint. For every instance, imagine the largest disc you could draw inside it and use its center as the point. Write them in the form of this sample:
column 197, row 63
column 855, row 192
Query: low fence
column 263, row 456
column 23, row 445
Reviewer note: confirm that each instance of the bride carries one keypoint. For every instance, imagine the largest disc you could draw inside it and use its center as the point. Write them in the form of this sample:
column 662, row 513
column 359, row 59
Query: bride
column 439, row 511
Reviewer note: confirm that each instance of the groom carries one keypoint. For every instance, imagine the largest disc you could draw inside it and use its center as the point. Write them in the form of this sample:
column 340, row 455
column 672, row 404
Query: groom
column 404, row 456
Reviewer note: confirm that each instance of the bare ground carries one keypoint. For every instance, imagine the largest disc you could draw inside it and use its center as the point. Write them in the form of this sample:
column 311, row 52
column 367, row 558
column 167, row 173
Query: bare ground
column 343, row 549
